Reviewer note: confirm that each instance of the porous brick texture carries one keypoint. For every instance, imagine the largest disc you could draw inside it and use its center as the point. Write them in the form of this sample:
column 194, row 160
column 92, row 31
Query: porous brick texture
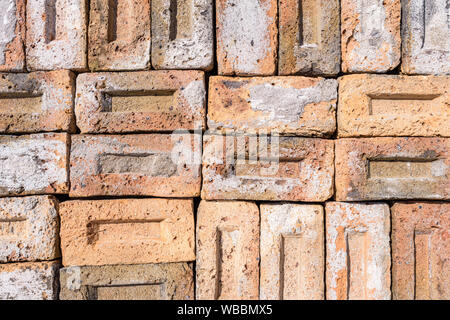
column 224, row 149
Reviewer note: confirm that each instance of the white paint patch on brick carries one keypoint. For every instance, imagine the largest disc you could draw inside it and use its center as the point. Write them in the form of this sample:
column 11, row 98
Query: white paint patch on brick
column 7, row 26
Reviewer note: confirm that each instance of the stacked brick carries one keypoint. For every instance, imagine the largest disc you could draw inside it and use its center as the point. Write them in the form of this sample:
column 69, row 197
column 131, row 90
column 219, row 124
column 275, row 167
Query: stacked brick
column 305, row 156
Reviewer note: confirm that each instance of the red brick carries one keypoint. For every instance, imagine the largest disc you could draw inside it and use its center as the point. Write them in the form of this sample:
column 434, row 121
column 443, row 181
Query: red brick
column 12, row 35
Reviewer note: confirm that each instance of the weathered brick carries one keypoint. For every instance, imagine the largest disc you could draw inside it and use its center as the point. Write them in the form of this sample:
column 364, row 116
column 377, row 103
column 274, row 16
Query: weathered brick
column 119, row 35
column 29, row 229
column 246, row 37
column 127, row 231
column 292, row 252
column 34, row 164
column 370, row 37
column 29, row 281
column 392, row 168
column 426, row 44
column 287, row 105
column 227, row 250
column 182, row 34
column 164, row 281
column 288, row 168
column 381, row 105
column 157, row 165
column 56, row 35
column 140, row 101
column 36, row 102
column 12, row 35
column 309, row 37
column 358, row 251
column 421, row 251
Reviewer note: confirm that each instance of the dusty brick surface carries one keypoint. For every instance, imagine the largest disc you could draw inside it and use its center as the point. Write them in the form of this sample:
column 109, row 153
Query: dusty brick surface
column 36, row 102
column 426, row 44
column 127, row 231
column 381, row 105
column 55, row 41
column 12, row 35
column 167, row 281
column 182, row 34
column 309, row 33
column 392, row 168
column 119, row 35
column 227, row 250
column 304, row 171
column 29, row 229
column 29, row 281
column 370, row 35
column 143, row 164
column 358, row 251
column 34, row 164
column 140, row 101
column 421, row 251
column 286, row 105
column 246, row 37
column 292, row 252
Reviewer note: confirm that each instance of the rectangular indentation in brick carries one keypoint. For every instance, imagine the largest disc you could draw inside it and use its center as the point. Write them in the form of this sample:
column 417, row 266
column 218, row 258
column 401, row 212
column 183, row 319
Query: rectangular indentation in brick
column 50, row 20
column 20, row 103
column 180, row 19
column 422, row 264
column 406, row 168
column 372, row 20
column 112, row 20
column 435, row 22
column 154, row 165
column 309, row 19
column 124, row 231
column 227, row 260
column 150, row 291
column 139, row 101
column 356, row 248
column 13, row 228
column 283, row 168
column 290, row 266
column 402, row 103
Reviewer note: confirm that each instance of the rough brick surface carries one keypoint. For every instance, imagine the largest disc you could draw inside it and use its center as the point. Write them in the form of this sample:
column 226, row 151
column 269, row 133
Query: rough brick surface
column 421, row 251
column 294, row 169
column 168, row 281
column 146, row 164
column 392, row 168
column 29, row 281
column 12, row 35
column 292, row 252
column 55, row 41
column 246, row 37
column 36, row 102
column 140, row 101
column 29, row 229
column 309, row 33
column 358, row 251
column 182, row 34
column 119, row 35
column 370, row 37
column 227, row 250
column 286, row 105
column 127, row 231
column 34, row 164
column 376, row 105
column 426, row 44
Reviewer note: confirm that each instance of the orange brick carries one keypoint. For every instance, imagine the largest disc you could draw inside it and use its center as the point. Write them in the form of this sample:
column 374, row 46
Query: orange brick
column 286, row 105
column 127, row 231
column 358, row 251
column 292, row 252
column 140, row 101
column 131, row 165
column 376, row 105
column 119, row 35
column 421, row 251
column 36, row 102
column 12, row 35
column 392, row 168
column 227, row 250
column 246, row 37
